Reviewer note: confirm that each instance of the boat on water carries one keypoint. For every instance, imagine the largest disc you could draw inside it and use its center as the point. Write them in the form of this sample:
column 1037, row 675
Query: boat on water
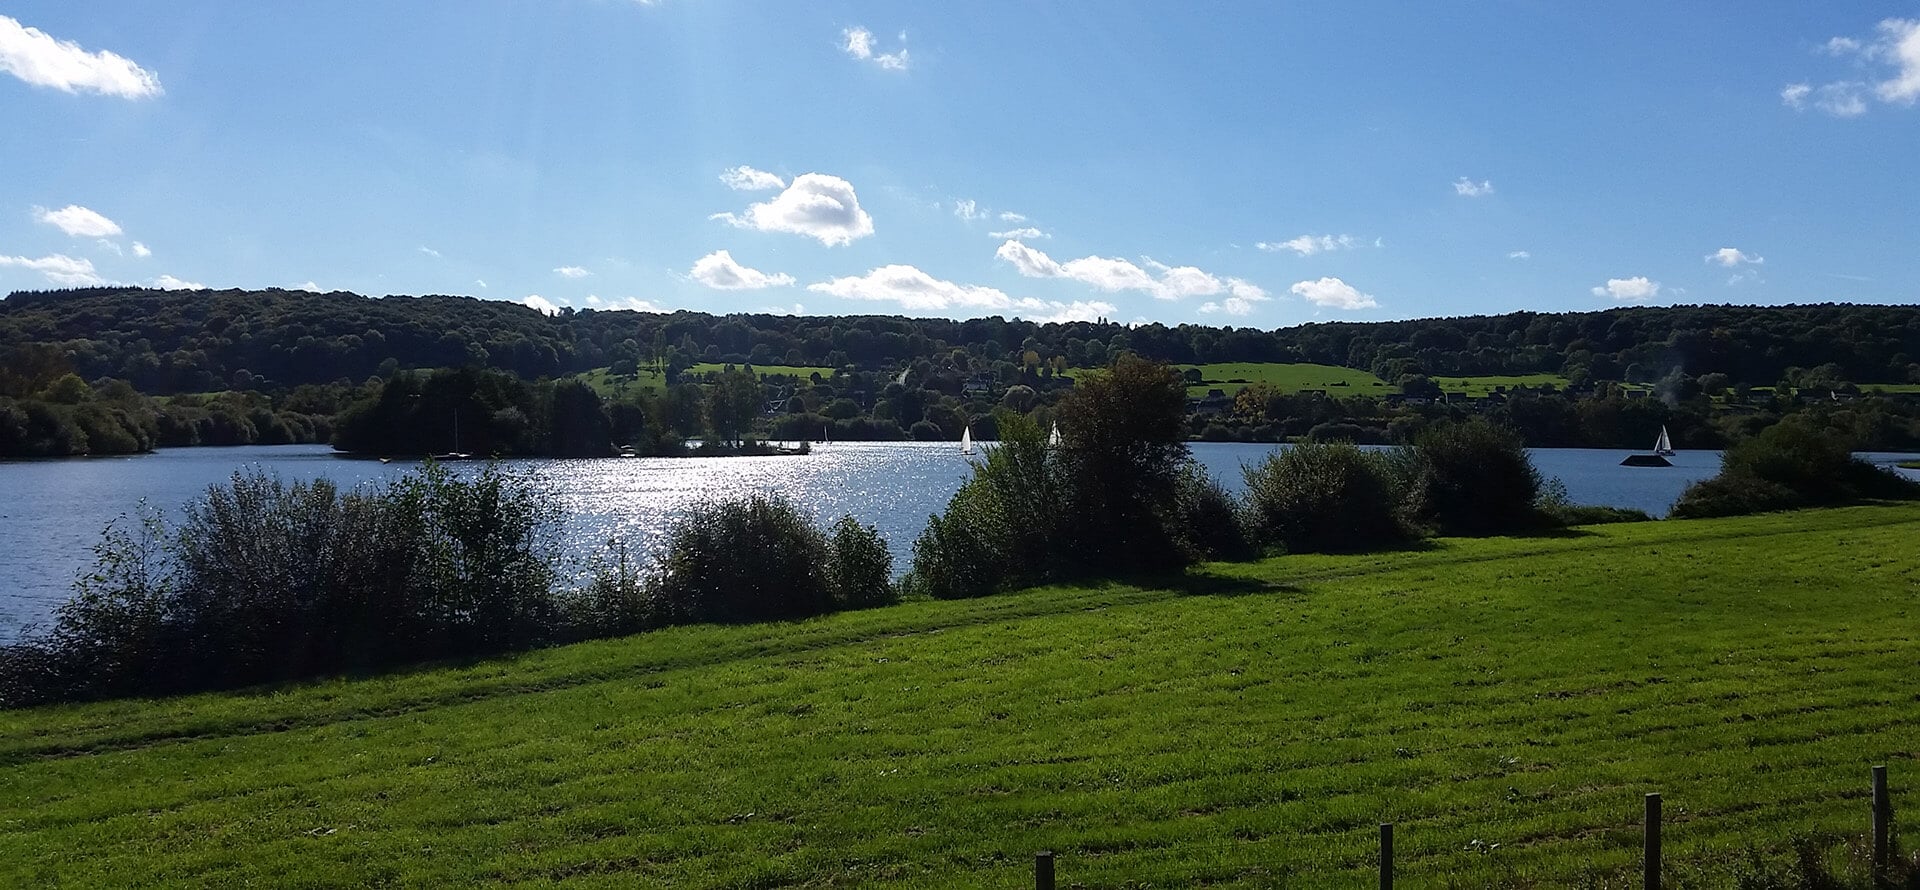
column 966, row 440
column 1662, row 449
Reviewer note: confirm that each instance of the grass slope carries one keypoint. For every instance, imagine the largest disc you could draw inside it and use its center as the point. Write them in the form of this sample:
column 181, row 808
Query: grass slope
column 1252, row 722
column 1232, row 377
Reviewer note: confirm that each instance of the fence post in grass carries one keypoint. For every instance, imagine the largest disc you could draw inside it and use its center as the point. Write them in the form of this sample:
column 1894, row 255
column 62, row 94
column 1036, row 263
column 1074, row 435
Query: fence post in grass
column 1043, row 870
column 1386, row 856
column 1651, row 842
column 1882, row 827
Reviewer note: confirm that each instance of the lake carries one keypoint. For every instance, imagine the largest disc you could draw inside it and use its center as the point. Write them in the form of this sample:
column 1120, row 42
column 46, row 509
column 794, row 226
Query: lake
column 52, row 512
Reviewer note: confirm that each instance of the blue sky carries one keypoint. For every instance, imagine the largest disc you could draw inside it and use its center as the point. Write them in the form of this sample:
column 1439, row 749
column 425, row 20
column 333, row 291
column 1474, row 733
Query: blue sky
column 1258, row 164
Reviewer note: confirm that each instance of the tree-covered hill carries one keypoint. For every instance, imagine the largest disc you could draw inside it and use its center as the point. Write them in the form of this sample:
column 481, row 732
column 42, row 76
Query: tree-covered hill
column 199, row 341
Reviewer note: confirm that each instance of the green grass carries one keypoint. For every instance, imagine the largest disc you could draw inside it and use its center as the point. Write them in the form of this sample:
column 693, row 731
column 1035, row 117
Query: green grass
column 800, row 371
column 1290, row 378
column 1908, row 464
column 1890, row 387
column 1250, row 722
column 1480, row 386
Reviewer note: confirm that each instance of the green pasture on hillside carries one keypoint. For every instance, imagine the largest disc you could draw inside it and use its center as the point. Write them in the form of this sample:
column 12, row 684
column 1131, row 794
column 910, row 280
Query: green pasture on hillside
column 606, row 383
column 1240, row 726
column 1480, row 386
column 1232, row 377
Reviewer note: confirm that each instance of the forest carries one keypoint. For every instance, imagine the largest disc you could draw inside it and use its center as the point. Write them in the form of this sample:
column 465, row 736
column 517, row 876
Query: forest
column 105, row 370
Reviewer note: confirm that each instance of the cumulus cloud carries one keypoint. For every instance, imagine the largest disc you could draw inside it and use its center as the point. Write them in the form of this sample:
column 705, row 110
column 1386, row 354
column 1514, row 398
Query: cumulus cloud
column 1892, row 58
column 795, row 309
column 78, row 221
column 632, row 304
column 168, row 282
column 141, row 251
column 815, row 205
column 307, row 286
column 1113, row 274
column 1333, row 294
column 482, row 282
column 1519, row 255
column 1012, row 217
column 1631, row 290
column 915, row 290
column 39, row 59
column 571, row 272
column 1471, row 189
column 966, row 209
column 719, row 271
column 540, row 304
column 1308, row 245
column 858, row 42
column 747, row 179
column 1024, row 232
column 1243, row 296
column 1733, row 256
column 59, row 269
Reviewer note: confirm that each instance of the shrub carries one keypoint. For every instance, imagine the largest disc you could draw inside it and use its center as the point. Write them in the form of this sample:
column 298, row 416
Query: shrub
column 1324, row 498
column 859, row 568
column 752, row 559
column 1794, row 463
column 1002, row 527
column 1471, row 478
column 1205, row 518
column 1557, row 509
column 267, row 581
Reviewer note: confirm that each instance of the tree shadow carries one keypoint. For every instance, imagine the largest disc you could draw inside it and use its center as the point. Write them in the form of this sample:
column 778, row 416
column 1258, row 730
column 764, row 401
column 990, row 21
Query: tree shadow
column 1199, row 583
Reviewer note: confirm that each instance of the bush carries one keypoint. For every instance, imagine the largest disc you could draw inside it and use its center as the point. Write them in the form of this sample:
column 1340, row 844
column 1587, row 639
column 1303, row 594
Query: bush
column 266, row 581
column 1206, row 520
column 753, row 559
column 1002, row 528
column 859, row 568
column 1794, row 463
column 1471, row 478
column 1324, row 498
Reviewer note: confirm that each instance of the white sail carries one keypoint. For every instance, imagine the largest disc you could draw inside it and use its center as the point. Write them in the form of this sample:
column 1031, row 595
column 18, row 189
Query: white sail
column 1053, row 439
column 966, row 440
column 1663, row 445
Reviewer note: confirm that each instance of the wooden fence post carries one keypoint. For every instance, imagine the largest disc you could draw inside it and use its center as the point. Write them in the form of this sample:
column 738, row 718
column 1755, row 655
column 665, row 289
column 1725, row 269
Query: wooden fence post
column 1651, row 842
column 1882, row 828
column 1386, row 856
column 1043, row 870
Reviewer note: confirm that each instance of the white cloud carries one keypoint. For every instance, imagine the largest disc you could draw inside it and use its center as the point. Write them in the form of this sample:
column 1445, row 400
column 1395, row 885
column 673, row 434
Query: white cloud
column 859, row 44
column 571, row 272
column 1333, row 293
column 540, row 304
column 1308, row 245
column 719, row 271
column 795, row 309
column 482, row 282
column 816, row 205
column 1896, row 44
column 1900, row 43
column 168, row 282
column 37, row 58
column 1471, row 189
column 1733, row 256
column 1634, row 290
column 429, row 251
column 307, row 286
column 747, row 179
column 1012, row 217
column 917, row 291
column 78, row 221
column 110, row 244
column 1519, row 255
column 1244, row 295
column 1113, row 274
column 59, row 269
column 1020, row 233
column 966, row 209
column 141, row 251
column 630, row 303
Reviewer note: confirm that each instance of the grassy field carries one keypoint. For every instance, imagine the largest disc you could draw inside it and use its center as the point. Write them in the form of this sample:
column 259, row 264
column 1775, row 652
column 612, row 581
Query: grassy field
column 608, row 384
column 1480, row 386
column 1249, row 723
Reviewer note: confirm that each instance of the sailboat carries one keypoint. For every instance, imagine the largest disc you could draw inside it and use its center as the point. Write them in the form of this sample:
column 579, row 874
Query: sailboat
column 1663, row 446
column 966, row 440
column 824, row 437
column 1053, row 438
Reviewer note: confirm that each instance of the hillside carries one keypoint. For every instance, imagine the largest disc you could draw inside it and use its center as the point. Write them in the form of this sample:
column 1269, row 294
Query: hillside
column 1252, row 722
